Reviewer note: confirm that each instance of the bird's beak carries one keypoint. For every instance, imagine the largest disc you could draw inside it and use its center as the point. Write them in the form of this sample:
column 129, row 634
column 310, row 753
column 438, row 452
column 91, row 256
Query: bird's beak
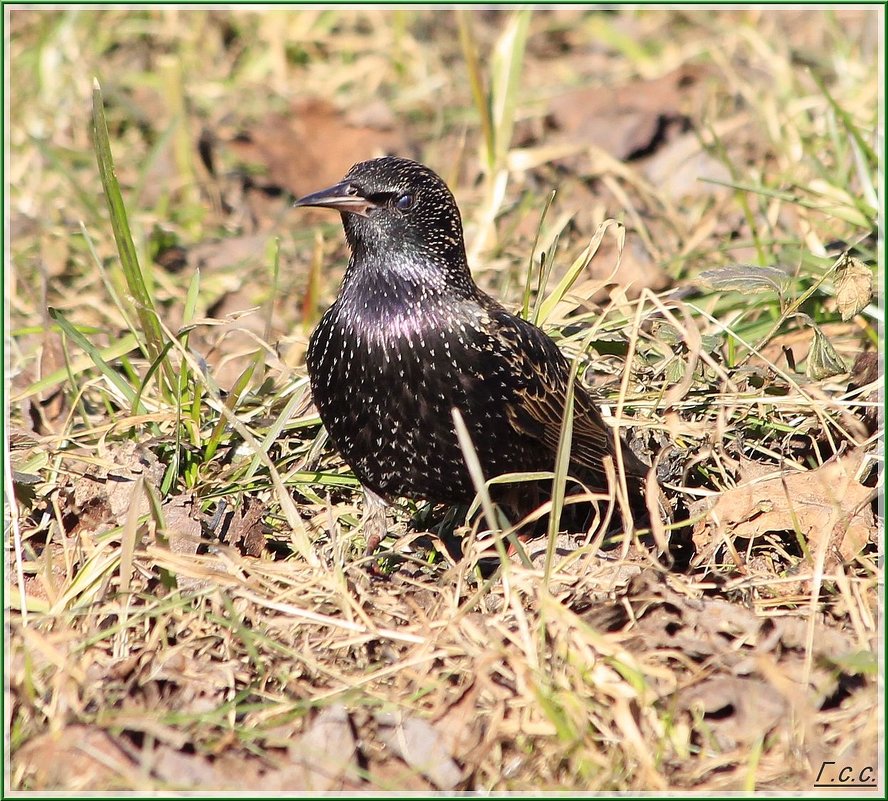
column 344, row 197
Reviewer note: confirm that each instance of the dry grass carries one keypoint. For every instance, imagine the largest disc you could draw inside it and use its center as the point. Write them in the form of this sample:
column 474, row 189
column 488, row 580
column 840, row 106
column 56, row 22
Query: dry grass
column 187, row 604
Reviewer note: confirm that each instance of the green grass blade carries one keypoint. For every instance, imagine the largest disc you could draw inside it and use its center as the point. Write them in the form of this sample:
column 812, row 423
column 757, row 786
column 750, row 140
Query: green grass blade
column 274, row 431
column 123, row 237
column 191, row 298
column 110, row 373
column 525, row 301
column 546, row 263
column 106, row 280
column 94, row 356
column 231, row 402
column 562, row 466
column 580, row 264
column 152, row 369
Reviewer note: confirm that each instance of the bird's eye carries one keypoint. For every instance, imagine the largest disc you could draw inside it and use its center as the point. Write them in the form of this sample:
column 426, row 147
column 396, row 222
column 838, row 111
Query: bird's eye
column 404, row 202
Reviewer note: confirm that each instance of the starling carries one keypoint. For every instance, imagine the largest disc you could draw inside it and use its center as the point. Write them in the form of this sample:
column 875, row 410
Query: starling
column 410, row 336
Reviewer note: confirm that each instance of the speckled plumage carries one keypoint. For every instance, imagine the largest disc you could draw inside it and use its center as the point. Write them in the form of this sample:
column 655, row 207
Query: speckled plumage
column 410, row 336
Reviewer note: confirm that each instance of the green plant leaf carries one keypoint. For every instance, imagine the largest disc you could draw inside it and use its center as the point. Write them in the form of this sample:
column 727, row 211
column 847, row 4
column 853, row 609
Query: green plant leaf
column 746, row 278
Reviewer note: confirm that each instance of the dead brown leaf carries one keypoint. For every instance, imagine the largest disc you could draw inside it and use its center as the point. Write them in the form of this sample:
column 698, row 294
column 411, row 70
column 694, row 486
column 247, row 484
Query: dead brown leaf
column 854, row 287
column 41, row 585
column 682, row 168
column 421, row 746
column 103, row 495
column 53, row 402
column 191, row 771
column 719, row 632
column 736, row 710
column 626, row 120
column 246, row 529
column 637, row 270
column 830, row 501
column 203, row 683
column 864, row 372
column 460, row 725
column 323, row 759
column 219, row 256
column 180, row 514
column 314, row 145
column 74, row 758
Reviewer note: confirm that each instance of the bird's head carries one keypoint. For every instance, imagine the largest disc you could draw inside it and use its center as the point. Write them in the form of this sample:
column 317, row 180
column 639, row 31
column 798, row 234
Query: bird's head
column 395, row 207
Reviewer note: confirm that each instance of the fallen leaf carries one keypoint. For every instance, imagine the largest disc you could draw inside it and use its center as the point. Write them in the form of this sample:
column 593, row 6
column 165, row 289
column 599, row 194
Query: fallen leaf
column 324, row 758
column 195, row 771
column 246, row 529
column 830, row 501
column 628, row 120
column 219, row 256
column 180, row 514
column 637, row 270
column 736, row 711
column 683, row 168
column 74, row 758
column 103, row 495
column 421, row 746
column 460, row 725
column 52, row 402
column 203, row 684
column 314, row 144
column 854, row 287
column 865, row 372
column 865, row 369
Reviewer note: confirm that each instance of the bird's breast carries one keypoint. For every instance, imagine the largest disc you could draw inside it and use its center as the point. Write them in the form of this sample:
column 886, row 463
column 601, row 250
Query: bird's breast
column 385, row 385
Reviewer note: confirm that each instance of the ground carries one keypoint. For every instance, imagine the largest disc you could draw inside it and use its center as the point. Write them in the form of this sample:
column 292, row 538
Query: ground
column 188, row 605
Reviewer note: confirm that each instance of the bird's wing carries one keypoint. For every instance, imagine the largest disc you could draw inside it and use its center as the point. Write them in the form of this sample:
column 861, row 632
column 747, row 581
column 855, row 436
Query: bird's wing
column 543, row 373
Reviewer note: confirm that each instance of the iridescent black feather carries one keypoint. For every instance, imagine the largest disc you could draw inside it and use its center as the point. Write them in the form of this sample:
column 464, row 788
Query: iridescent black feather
column 410, row 336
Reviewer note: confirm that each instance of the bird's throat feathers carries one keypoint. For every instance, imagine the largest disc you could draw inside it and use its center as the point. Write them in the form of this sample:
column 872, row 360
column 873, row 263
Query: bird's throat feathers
column 397, row 301
column 403, row 282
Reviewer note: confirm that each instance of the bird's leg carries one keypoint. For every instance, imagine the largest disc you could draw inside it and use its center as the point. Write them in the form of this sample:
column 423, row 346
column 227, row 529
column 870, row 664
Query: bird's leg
column 373, row 521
